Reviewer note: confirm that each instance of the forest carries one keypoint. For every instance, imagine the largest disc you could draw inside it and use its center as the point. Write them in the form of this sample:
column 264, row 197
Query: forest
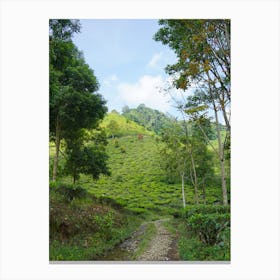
column 140, row 184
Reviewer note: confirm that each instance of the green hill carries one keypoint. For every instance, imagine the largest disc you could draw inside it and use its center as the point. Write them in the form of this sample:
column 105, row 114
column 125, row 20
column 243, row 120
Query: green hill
column 137, row 180
column 151, row 119
column 117, row 125
column 137, row 189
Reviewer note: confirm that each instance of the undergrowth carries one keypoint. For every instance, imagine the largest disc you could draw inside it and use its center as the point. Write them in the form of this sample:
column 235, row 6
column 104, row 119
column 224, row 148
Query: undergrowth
column 85, row 228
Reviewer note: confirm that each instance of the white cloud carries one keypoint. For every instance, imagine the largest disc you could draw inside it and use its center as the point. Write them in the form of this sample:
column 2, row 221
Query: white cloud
column 108, row 81
column 153, row 63
column 147, row 90
column 114, row 78
column 160, row 60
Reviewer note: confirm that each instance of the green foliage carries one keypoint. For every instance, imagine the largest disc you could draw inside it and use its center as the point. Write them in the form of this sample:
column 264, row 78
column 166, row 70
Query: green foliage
column 204, row 232
column 191, row 249
column 105, row 224
column 209, row 227
column 73, row 106
column 63, row 29
column 113, row 128
column 85, row 228
column 122, row 150
column 201, row 46
column 90, row 160
column 205, row 209
column 117, row 125
column 116, row 143
column 70, row 192
column 185, row 152
column 135, row 190
column 151, row 119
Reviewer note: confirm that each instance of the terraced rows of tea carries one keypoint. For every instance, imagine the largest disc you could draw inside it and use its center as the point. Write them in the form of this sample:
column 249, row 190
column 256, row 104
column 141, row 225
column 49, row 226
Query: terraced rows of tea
column 137, row 180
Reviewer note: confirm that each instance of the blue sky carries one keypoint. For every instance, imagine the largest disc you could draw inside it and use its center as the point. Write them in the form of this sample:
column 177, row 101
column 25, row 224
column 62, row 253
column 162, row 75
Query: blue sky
column 127, row 62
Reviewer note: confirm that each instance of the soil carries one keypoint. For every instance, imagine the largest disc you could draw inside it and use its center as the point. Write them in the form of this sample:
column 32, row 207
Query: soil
column 162, row 247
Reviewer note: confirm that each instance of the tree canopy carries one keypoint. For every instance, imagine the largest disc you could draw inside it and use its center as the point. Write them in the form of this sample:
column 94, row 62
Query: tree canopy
column 74, row 101
column 203, row 51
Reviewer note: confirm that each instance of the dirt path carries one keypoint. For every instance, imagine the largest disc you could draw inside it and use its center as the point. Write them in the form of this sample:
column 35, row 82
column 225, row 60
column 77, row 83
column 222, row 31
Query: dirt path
column 162, row 246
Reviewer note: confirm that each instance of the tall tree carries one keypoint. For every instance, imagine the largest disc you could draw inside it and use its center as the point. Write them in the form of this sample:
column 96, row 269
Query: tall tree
column 195, row 108
column 203, row 51
column 73, row 102
column 86, row 154
column 174, row 155
column 185, row 155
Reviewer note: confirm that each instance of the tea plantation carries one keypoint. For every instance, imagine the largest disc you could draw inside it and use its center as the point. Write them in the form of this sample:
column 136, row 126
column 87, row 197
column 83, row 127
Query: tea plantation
column 137, row 190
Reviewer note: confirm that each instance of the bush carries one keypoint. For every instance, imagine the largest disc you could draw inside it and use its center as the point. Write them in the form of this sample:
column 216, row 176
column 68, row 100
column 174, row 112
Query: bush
column 138, row 211
column 105, row 223
column 209, row 227
column 123, row 150
column 70, row 192
column 116, row 143
column 205, row 209
column 191, row 249
column 111, row 202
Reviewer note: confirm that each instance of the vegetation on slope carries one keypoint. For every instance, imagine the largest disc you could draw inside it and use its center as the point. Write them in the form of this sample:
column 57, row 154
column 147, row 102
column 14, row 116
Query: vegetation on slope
column 140, row 165
column 117, row 125
column 137, row 187
column 84, row 228
column 151, row 119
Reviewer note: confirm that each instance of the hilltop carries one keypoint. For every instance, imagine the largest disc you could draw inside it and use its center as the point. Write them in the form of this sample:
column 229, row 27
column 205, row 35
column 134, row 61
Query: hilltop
column 151, row 119
column 118, row 125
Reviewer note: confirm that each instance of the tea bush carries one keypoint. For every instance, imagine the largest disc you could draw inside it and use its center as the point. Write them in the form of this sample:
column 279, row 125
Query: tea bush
column 209, row 227
column 204, row 209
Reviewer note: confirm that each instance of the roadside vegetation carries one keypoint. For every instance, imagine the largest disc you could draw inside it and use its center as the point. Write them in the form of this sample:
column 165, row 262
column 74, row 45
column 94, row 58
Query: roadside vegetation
column 111, row 172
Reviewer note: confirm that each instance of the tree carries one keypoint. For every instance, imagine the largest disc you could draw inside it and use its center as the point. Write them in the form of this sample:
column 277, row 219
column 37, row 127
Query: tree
column 63, row 29
column 174, row 156
column 73, row 105
column 113, row 128
column 185, row 155
column 203, row 51
column 90, row 159
column 125, row 109
column 195, row 108
column 151, row 119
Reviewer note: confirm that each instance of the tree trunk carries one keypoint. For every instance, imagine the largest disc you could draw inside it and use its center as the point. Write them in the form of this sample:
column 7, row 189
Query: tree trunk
column 221, row 146
column 195, row 179
column 222, row 159
column 193, row 163
column 57, row 146
column 225, row 114
column 183, row 191
column 204, row 192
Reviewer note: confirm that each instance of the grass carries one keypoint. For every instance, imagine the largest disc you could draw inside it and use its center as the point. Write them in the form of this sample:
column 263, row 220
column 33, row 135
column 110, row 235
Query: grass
column 191, row 249
column 84, row 229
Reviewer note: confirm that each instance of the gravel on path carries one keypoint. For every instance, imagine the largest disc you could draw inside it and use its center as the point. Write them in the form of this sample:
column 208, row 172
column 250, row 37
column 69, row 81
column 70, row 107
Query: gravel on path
column 161, row 246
